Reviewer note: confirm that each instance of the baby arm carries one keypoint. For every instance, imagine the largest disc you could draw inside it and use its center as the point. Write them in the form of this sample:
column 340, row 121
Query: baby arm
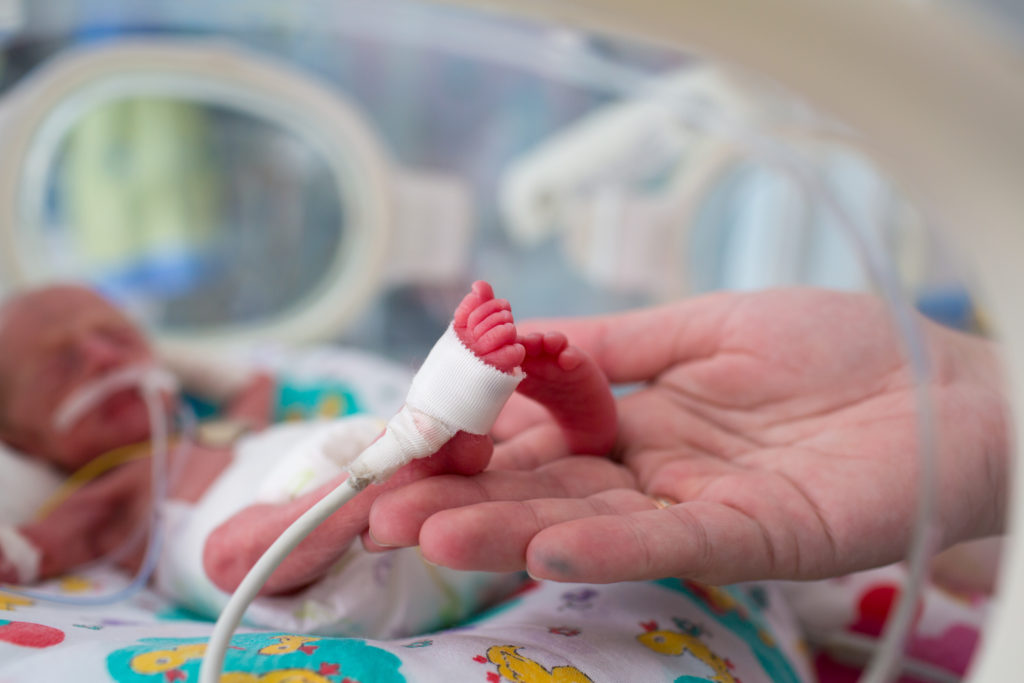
column 100, row 516
column 88, row 525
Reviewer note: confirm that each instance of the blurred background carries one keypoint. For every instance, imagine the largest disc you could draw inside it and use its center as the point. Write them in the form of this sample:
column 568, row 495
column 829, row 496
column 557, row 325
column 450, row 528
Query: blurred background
column 336, row 171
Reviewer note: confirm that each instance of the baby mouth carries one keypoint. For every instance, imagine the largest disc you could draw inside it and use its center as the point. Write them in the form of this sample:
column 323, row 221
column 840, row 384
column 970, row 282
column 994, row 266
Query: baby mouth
column 121, row 402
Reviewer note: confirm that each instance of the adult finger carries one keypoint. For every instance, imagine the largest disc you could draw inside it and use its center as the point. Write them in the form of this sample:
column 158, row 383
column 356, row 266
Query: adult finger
column 396, row 516
column 494, row 536
column 705, row 541
column 623, row 536
column 638, row 345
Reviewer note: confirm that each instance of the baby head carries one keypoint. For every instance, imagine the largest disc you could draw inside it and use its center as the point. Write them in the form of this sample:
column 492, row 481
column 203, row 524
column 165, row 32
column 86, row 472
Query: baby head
column 54, row 341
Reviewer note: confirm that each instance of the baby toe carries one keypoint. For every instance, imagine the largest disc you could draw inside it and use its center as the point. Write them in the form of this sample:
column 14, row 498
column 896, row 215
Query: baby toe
column 555, row 342
column 533, row 343
column 570, row 359
column 506, row 358
column 490, row 322
column 483, row 290
column 487, row 309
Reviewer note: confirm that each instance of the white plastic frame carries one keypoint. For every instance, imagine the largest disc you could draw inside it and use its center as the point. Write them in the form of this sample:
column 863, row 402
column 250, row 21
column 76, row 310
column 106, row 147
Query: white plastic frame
column 706, row 108
column 37, row 116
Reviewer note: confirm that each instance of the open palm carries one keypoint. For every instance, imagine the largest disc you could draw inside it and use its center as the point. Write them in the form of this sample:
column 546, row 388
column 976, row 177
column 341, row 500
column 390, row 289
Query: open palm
column 782, row 423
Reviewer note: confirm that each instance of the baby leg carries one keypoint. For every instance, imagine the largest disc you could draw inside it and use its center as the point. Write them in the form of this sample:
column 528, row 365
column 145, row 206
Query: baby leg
column 570, row 385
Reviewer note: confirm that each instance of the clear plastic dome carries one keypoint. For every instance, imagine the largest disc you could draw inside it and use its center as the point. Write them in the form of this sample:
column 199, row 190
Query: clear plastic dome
column 237, row 173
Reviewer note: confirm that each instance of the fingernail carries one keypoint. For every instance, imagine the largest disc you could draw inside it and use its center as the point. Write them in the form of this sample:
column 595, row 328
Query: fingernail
column 424, row 558
column 560, row 567
column 373, row 539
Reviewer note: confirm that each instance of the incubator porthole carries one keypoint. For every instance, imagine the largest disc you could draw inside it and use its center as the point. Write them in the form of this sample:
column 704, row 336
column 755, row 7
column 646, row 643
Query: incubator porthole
column 247, row 199
column 211, row 191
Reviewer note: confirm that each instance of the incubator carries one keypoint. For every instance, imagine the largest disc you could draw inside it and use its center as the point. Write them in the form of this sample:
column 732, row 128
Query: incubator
column 262, row 184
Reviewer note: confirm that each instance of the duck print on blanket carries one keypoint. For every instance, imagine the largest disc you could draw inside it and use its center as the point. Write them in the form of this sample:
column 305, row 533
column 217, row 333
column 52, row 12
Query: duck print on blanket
column 515, row 666
column 686, row 641
column 258, row 658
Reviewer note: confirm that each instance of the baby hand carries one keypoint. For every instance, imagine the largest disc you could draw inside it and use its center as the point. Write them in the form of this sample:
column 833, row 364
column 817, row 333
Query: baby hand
column 93, row 521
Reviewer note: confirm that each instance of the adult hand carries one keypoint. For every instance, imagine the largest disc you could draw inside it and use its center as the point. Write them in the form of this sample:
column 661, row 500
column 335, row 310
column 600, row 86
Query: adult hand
column 784, row 424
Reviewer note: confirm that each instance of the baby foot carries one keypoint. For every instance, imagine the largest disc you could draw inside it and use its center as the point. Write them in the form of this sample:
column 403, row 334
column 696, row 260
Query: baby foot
column 484, row 324
column 560, row 377
column 572, row 387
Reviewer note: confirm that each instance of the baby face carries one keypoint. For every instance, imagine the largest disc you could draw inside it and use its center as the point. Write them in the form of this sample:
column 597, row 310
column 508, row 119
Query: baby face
column 52, row 342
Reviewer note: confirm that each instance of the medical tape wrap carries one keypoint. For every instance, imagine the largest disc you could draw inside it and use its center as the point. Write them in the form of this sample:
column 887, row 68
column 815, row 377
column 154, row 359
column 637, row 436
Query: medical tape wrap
column 453, row 391
column 20, row 553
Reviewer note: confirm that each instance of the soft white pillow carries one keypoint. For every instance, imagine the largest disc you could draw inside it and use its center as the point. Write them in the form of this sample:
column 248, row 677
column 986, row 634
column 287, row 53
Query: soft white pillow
column 25, row 484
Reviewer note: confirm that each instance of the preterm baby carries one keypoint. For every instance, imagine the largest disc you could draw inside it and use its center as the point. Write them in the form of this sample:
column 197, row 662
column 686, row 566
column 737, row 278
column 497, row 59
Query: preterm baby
column 230, row 502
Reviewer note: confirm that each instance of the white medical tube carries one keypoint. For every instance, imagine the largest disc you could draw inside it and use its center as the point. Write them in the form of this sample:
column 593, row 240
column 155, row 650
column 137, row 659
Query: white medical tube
column 231, row 616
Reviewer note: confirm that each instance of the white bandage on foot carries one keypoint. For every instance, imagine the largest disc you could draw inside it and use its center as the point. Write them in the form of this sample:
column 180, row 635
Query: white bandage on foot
column 20, row 553
column 453, row 391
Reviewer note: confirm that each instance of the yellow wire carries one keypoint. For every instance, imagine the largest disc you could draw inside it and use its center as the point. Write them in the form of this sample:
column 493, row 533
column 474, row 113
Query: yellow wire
column 93, row 469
